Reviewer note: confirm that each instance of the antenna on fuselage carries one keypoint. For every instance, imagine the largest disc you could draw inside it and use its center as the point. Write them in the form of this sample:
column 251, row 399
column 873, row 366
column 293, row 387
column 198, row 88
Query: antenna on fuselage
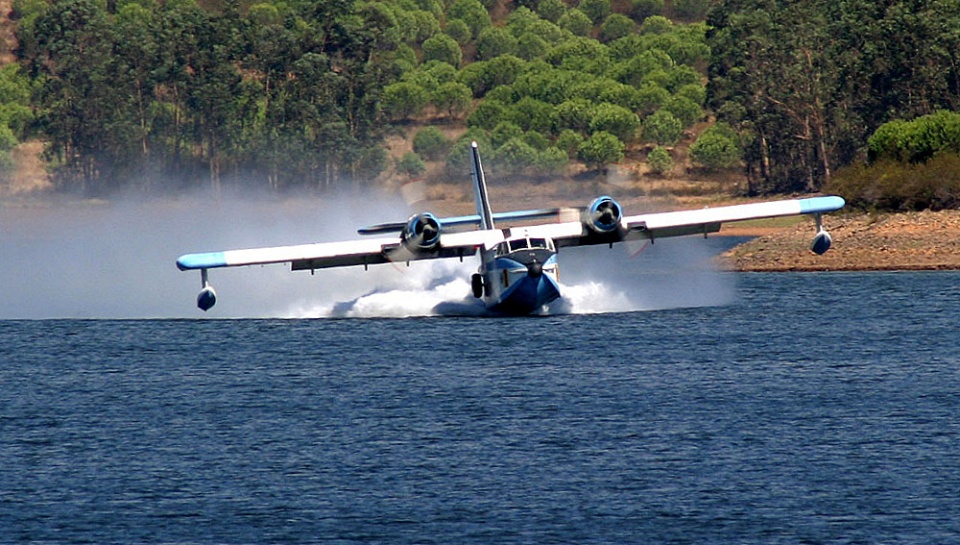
column 480, row 189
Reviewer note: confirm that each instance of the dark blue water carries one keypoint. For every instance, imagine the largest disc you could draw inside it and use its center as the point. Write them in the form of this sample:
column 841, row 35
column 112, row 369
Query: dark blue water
column 816, row 408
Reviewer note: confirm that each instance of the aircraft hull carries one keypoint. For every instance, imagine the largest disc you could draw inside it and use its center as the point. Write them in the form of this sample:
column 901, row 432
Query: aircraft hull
column 527, row 293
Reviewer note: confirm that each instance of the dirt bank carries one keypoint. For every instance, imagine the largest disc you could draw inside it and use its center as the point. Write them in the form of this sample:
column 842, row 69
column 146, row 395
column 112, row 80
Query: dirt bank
column 910, row 241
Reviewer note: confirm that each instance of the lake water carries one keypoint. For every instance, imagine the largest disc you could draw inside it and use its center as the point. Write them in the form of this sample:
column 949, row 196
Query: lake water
column 808, row 408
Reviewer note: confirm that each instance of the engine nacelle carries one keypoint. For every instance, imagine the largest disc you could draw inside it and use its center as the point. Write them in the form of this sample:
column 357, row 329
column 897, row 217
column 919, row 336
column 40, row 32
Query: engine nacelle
column 821, row 243
column 422, row 232
column 603, row 215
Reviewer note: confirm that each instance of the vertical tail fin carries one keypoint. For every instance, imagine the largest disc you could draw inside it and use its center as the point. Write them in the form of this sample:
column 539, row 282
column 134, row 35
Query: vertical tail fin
column 480, row 190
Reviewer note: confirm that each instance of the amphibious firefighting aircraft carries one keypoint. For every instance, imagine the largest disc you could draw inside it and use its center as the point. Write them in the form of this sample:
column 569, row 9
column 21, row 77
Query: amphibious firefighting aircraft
column 518, row 272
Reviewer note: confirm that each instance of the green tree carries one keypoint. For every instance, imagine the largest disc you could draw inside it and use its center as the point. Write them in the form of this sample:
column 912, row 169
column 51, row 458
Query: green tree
column 504, row 132
column 576, row 22
column 502, row 70
column 459, row 31
column 580, row 55
column 659, row 160
column 918, row 140
column 651, row 97
column 662, row 128
column 494, row 42
column 411, row 165
column 695, row 92
column 79, row 98
column 622, row 95
column 536, row 140
column 715, row 150
column 452, row 97
column 530, row 46
column 515, row 156
column 575, row 114
column 656, row 24
column 520, row 20
column 471, row 12
column 600, row 150
column 403, row 100
column 552, row 161
column 615, row 120
column 534, row 115
column 15, row 113
column 569, row 142
column 684, row 109
column 430, row 143
column 616, row 26
column 443, row 48
column 551, row 10
column 596, row 10
column 16, row 91
column 790, row 99
column 549, row 31
column 488, row 115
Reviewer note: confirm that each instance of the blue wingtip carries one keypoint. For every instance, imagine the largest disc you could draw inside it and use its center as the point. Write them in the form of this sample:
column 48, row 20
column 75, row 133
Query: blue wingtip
column 818, row 205
column 210, row 260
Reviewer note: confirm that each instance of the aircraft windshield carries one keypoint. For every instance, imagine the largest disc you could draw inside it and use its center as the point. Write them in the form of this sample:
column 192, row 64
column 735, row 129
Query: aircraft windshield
column 536, row 243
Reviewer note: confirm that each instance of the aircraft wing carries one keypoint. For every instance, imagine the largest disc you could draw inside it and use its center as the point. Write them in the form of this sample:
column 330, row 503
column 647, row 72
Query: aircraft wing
column 365, row 251
column 684, row 222
column 370, row 251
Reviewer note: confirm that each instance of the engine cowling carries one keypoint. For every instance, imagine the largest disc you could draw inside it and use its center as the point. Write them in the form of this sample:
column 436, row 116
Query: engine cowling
column 422, row 232
column 603, row 215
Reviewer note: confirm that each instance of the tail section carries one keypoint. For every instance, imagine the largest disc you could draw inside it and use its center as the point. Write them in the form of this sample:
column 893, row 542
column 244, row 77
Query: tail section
column 480, row 190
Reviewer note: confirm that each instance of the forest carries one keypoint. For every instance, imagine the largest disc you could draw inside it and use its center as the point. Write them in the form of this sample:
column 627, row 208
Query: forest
column 151, row 95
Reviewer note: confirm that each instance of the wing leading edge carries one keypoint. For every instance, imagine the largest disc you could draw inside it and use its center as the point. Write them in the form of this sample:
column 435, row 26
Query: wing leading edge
column 684, row 222
column 370, row 251
column 365, row 251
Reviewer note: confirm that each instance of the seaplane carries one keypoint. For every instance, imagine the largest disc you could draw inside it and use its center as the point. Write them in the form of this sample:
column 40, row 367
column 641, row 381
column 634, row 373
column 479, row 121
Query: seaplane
column 518, row 272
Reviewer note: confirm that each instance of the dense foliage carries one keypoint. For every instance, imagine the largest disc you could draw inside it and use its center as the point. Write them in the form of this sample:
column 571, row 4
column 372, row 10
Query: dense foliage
column 914, row 165
column 806, row 83
column 149, row 94
column 160, row 94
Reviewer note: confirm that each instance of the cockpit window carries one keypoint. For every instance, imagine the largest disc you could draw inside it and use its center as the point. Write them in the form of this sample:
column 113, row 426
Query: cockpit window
column 535, row 243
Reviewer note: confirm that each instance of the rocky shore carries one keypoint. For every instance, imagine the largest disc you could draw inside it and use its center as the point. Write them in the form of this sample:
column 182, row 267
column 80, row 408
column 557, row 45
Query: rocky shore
column 861, row 242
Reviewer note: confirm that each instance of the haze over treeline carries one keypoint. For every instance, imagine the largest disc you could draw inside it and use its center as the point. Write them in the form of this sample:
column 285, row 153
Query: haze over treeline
column 148, row 95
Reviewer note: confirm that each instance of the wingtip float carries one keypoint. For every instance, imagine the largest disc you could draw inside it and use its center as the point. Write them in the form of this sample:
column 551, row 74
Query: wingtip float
column 518, row 270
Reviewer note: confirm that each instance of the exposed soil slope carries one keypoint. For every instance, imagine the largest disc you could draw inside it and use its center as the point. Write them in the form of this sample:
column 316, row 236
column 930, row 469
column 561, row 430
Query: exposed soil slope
column 911, row 241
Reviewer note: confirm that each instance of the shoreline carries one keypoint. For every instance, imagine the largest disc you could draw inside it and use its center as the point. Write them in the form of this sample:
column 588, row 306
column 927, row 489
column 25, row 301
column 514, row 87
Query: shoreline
column 912, row 241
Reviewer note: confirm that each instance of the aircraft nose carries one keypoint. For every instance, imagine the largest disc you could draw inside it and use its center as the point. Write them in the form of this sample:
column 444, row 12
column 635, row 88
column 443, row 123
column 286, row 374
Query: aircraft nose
column 534, row 270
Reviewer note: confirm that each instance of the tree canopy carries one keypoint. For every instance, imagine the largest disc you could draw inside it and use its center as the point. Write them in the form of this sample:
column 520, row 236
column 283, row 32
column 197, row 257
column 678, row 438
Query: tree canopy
column 807, row 82
column 159, row 95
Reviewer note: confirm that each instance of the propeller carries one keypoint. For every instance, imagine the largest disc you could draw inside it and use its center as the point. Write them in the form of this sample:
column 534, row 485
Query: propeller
column 603, row 215
column 606, row 213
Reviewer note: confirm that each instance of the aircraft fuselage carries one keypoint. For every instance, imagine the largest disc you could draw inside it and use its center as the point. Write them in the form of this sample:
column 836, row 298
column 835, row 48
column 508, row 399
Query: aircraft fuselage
column 520, row 275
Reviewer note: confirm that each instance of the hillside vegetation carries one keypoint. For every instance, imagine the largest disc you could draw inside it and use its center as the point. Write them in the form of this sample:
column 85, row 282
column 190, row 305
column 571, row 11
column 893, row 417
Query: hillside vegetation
column 157, row 96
